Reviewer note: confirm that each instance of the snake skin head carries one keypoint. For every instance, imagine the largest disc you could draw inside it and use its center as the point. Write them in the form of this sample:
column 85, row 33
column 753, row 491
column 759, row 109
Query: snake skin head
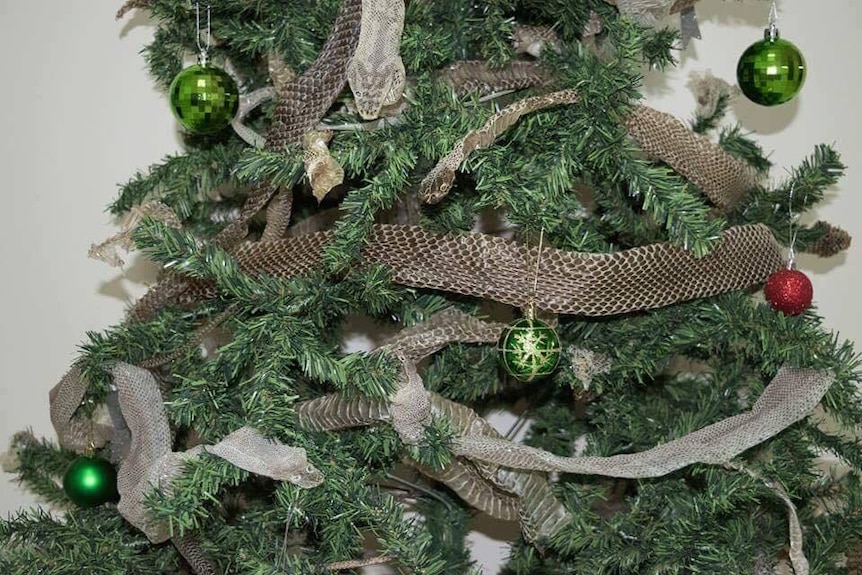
column 375, row 85
column 307, row 477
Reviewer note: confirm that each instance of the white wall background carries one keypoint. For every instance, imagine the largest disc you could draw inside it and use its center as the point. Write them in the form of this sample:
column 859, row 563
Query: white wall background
column 79, row 115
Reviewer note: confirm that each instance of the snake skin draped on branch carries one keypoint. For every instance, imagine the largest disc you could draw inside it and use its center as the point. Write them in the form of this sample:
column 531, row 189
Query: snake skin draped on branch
column 502, row 493
column 722, row 178
column 476, row 76
column 490, row 267
column 306, row 99
column 437, row 183
column 301, row 103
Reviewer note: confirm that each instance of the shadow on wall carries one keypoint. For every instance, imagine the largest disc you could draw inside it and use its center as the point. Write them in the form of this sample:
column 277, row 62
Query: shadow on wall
column 140, row 271
column 735, row 13
column 137, row 18
column 753, row 117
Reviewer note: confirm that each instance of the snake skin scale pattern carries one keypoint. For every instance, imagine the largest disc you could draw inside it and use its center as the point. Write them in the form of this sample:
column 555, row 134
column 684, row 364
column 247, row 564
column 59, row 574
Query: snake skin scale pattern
column 307, row 98
column 477, row 77
column 506, row 494
column 493, row 268
column 721, row 177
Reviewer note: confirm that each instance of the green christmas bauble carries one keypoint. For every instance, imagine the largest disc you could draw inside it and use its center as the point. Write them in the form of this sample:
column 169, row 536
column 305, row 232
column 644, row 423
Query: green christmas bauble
column 90, row 481
column 529, row 349
column 771, row 71
column 204, row 98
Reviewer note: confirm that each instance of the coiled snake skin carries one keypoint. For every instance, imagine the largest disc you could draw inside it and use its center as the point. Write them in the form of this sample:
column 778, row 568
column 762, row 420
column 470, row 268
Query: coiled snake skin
column 500, row 492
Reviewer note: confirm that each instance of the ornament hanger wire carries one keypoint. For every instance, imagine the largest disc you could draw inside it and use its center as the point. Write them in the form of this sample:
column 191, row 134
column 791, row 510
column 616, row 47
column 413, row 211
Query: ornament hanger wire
column 202, row 48
column 531, row 306
column 90, row 449
column 791, row 253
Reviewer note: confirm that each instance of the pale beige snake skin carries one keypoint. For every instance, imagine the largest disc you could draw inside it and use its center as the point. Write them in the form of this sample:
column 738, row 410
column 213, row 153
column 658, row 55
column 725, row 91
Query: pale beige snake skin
column 376, row 73
column 515, row 469
column 152, row 464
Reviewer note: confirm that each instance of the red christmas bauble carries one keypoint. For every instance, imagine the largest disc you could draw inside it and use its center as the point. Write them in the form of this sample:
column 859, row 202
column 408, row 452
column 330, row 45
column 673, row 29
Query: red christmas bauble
column 789, row 291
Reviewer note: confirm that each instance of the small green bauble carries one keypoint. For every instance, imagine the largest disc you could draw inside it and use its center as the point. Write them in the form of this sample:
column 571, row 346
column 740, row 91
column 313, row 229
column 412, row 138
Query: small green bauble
column 529, row 349
column 90, row 481
column 771, row 71
column 204, row 98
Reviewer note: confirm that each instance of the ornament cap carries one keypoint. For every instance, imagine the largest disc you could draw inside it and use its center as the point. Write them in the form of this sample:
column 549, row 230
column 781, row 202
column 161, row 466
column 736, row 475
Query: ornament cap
column 771, row 33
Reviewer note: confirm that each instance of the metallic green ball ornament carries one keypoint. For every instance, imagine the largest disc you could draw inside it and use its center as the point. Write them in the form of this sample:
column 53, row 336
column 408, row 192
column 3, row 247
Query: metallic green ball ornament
column 529, row 349
column 771, row 71
column 204, row 98
column 90, row 481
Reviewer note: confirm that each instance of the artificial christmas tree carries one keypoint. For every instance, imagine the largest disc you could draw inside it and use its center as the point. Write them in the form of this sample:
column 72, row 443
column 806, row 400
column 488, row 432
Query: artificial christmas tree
column 672, row 438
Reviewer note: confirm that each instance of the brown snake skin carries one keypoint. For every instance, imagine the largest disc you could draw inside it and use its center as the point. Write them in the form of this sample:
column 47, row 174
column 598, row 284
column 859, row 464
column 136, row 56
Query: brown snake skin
column 307, row 98
column 506, row 494
column 721, row 177
column 477, row 77
column 302, row 102
column 191, row 550
column 494, row 268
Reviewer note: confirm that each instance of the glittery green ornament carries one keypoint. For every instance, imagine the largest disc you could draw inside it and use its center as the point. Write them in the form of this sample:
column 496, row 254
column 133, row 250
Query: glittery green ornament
column 204, row 98
column 90, row 481
column 529, row 349
column 771, row 71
